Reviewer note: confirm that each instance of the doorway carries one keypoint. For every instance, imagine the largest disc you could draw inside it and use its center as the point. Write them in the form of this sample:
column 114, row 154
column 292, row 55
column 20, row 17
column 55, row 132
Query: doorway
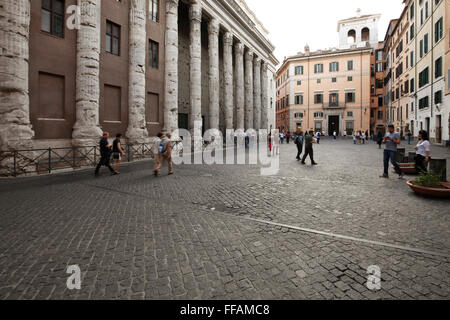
column 438, row 129
column 333, row 125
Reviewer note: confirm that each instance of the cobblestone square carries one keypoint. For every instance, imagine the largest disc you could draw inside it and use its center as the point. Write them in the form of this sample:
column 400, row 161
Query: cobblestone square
column 226, row 232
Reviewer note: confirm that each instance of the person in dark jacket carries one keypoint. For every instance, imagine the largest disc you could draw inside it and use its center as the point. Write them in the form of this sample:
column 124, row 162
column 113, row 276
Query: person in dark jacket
column 105, row 154
column 299, row 143
column 379, row 139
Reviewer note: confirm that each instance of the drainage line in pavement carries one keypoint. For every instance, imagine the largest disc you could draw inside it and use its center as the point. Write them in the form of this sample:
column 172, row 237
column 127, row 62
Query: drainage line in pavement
column 328, row 234
column 339, row 236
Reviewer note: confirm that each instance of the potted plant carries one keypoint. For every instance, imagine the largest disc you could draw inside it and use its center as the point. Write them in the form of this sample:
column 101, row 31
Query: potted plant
column 429, row 184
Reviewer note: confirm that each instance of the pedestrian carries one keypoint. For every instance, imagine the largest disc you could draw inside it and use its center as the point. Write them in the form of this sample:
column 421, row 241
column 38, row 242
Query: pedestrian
column 288, row 137
column 155, row 150
column 334, row 135
column 117, row 152
column 422, row 152
column 165, row 154
column 105, row 155
column 345, row 134
column 379, row 139
column 299, row 142
column 409, row 136
column 323, row 133
column 318, row 137
column 309, row 140
column 392, row 140
column 363, row 137
column 282, row 137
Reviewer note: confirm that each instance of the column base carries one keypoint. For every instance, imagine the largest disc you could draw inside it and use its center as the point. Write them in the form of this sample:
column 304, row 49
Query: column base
column 86, row 136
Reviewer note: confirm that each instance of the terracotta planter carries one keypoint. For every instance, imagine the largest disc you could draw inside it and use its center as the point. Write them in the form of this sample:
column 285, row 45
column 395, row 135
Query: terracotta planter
column 431, row 192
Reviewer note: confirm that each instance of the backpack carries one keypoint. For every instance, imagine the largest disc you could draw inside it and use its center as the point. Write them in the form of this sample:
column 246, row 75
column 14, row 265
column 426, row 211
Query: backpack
column 162, row 146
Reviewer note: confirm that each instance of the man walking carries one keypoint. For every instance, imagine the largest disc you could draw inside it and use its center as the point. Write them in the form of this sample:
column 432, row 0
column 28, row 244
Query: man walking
column 105, row 153
column 392, row 140
column 309, row 140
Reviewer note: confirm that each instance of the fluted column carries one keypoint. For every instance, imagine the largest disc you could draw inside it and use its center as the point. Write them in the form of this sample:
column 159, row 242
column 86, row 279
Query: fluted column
column 171, row 68
column 239, row 87
column 257, row 93
column 265, row 97
column 15, row 127
column 214, row 85
column 195, row 16
column 228, row 78
column 137, row 125
column 86, row 130
column 248, row 90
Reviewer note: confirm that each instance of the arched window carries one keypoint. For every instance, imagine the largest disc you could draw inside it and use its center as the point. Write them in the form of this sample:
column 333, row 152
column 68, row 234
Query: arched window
column 351, row 37
column 365, row 34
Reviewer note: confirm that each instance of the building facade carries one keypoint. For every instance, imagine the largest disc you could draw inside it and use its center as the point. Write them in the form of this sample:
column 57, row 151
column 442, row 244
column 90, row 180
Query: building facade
column 431, row 111
column 402, row 71
column 329, row 90
column 73, row 69
column 377, row 90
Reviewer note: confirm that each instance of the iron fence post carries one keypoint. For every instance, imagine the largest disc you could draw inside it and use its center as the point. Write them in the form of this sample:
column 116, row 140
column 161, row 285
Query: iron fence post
column 49, row 160
column 15, row 163
column 128, row 153
column 95, row 155
column 73, row 157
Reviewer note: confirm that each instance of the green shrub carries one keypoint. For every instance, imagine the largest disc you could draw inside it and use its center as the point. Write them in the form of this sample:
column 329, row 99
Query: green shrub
column 428, row 180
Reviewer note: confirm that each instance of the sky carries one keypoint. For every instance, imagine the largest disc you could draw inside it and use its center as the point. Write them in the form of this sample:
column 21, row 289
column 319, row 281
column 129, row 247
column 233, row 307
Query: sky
column 294, row 23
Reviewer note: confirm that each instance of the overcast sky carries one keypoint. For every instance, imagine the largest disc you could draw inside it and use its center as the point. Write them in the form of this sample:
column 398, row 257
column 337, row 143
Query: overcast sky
column 293, row 23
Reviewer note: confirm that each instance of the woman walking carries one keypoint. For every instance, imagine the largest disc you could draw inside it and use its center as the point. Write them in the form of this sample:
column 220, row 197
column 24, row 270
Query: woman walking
column 422, row 152
column 117, row 153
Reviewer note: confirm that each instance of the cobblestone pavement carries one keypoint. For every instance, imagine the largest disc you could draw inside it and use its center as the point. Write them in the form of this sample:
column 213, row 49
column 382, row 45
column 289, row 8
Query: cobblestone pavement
column 225, row 232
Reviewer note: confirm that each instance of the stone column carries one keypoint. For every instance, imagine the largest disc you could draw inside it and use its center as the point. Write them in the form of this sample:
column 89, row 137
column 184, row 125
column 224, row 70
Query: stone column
column 15, row 127
column 137, row 125
column 265, row 97
column 257, row 93
column 248, row 90
column 171, row 68
column 214, row 85
column 195, row 84
column 239, row 89
column 86, row 130
column 228, row 78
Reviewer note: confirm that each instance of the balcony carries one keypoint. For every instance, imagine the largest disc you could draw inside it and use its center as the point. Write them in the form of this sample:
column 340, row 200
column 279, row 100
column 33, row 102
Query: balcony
column 334, row 105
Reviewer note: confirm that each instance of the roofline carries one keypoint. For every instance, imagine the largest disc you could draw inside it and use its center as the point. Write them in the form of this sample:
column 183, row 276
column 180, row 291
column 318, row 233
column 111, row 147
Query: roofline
column 323, row 54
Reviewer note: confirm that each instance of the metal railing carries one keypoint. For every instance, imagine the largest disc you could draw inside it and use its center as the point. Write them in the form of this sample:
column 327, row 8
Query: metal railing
column 42, row 161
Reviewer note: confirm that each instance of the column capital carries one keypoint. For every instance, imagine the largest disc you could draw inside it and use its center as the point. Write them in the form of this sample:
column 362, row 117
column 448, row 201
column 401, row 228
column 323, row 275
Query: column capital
column 257, row 61
column 228, row 38
column 249, row 54
column 172, row 2
column 213, row 27
column 239, row 47
column 195, row 11
column 264, row 65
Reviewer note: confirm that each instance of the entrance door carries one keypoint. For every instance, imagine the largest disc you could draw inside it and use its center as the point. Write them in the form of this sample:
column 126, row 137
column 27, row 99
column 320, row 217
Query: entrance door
column 183, row 121
column 333, row 125
column 427, row 126
column 438, row 129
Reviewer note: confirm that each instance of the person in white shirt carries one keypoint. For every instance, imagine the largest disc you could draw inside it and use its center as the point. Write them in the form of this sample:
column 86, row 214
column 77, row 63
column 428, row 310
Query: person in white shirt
column 422, row 152
column 334, row 135
column 363, row 137
column 155, row 151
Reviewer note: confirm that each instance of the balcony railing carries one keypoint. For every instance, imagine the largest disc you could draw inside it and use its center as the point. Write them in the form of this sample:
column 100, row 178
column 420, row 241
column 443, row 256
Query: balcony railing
column 334, row 105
